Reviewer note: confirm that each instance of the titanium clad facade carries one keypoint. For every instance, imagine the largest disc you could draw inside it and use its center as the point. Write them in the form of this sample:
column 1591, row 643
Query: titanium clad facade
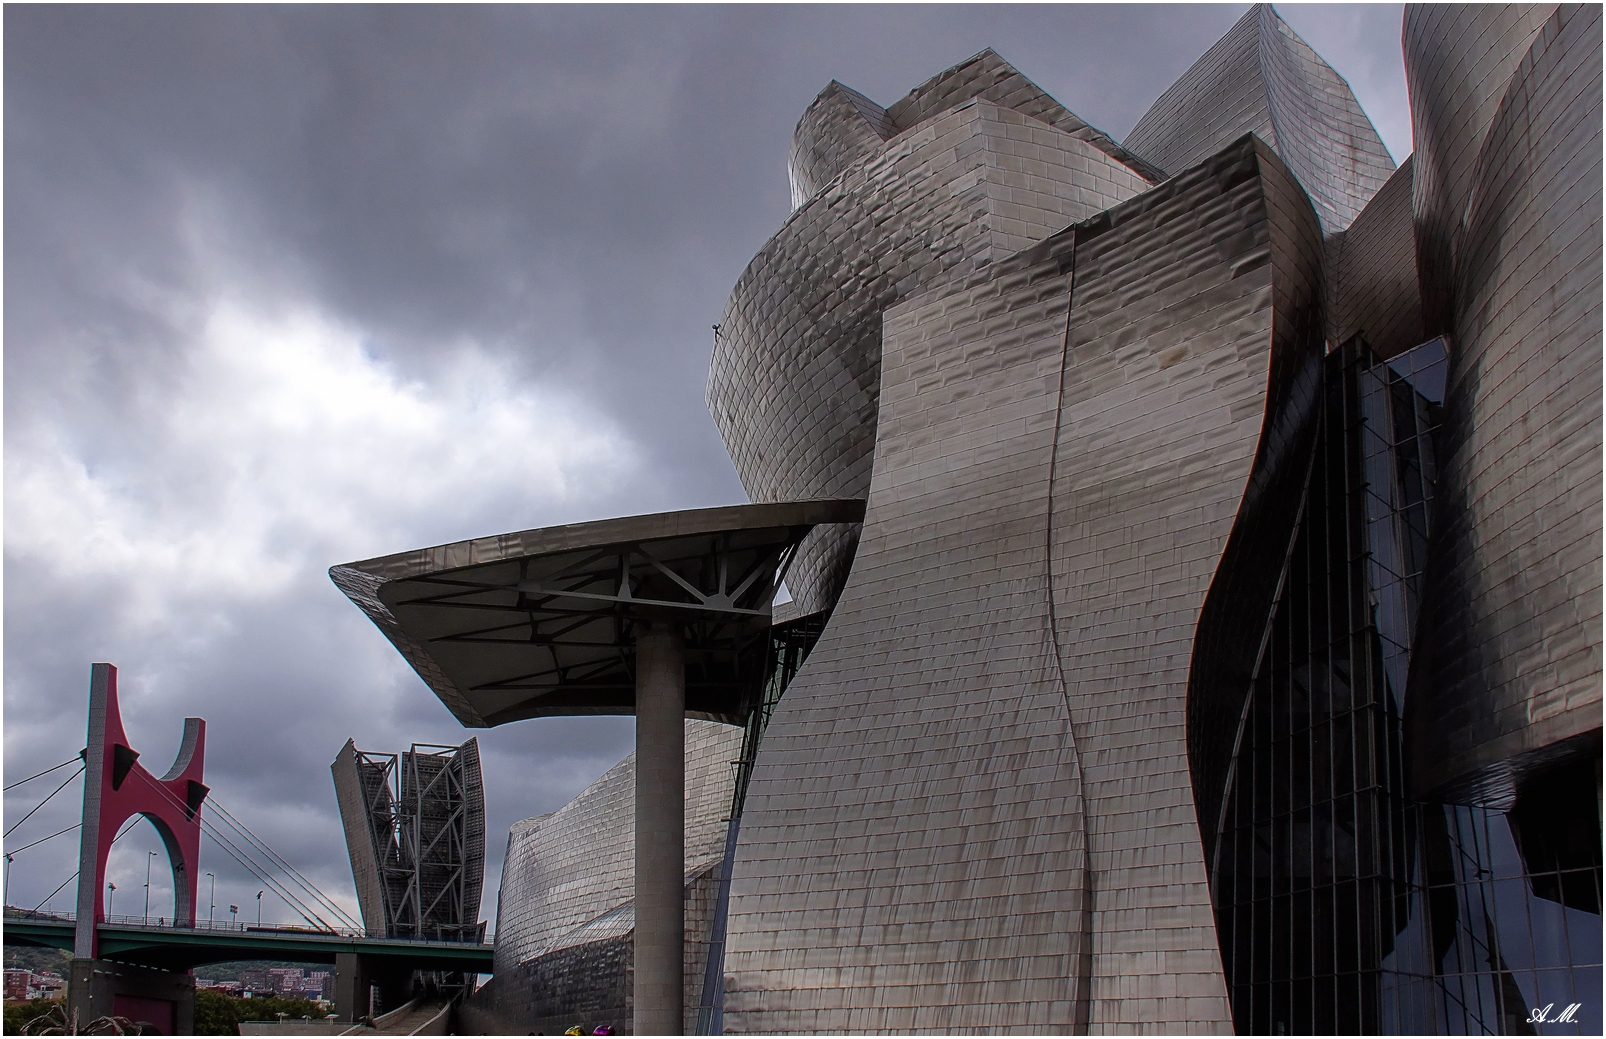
column 793, row 381
column 973, row 775
column 566, row 913
column 1372, row 288
column 1261, row 78
column 1458, row 64
column 843, row 126
column 1512, row 668
column 1178, row 403
column 1220, row 650
column 898, row 813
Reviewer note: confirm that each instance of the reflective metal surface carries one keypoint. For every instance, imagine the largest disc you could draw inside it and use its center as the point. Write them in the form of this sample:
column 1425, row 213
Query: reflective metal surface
column 981, row 164
column 1511, row 650
column 542, row 622
column 1261, row 78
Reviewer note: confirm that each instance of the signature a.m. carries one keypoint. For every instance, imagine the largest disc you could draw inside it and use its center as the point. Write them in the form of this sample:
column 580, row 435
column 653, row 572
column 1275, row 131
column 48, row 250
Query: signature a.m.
column 1542, row 1016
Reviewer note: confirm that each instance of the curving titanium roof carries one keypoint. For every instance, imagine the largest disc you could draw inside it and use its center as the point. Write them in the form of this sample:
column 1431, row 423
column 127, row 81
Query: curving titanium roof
column 792, row 384
column 541, row 622
column 1262, row 78
column 842, row 126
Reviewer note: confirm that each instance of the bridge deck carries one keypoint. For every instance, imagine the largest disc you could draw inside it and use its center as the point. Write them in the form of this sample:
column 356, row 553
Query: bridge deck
column 181, row 948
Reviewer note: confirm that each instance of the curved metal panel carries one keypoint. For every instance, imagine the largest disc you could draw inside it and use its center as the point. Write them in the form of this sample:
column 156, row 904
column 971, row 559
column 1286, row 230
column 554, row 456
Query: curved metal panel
column 1510, row 659
column 1372, row 288
column 910, row 854
column 839, row 128
column 1171, row 396
column 1220, row 98
column 842, row 126
column 989, row 77
column 1458, row 62
column 983, row 677
column 1262, row 78
column 1243, row 586
column 473, row 885
column 794, row 377
column 568, row 878
column 355, row 790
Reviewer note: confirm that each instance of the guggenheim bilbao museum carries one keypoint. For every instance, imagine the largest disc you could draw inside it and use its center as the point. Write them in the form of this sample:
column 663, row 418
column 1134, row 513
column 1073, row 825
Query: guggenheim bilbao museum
column 1195, row 554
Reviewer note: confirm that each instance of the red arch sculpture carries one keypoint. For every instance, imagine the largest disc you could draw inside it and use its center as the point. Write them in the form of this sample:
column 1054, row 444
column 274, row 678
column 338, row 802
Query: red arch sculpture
column 117, row 786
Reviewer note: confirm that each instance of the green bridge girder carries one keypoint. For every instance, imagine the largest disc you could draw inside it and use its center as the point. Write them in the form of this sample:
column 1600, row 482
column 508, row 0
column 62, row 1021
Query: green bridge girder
column 179, row 948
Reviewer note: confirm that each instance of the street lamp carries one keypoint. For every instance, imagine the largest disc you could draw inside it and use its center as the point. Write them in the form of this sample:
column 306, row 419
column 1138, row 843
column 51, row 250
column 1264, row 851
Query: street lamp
column 234, row 915
column 213, row 908
column 148, row 857
column 259, row 909
column 7, row 881
column 111, row 892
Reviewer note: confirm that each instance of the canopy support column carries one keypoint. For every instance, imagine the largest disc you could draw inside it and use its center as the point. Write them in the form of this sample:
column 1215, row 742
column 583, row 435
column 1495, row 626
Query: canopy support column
column 660, row 829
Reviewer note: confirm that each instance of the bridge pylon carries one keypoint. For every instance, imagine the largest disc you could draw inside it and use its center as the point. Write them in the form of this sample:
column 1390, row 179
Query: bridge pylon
column 116, row 787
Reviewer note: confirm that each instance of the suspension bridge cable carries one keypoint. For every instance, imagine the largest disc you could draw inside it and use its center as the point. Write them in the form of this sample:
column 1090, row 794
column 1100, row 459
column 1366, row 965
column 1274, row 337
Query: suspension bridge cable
column 273, row 856
column 265, row 877
column 75, row 873
column 255, row 869
column 251, row 839
column 262, row 874
column 63, row 884
column 275, row 859
column 42, row 840
column 41, row 804
column 46, row 772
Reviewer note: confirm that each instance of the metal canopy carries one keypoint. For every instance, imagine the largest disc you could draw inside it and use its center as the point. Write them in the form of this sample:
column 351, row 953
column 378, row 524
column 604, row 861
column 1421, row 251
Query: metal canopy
column 543, row 622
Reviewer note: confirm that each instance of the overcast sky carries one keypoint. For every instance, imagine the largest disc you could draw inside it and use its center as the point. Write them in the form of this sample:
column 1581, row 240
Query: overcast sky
column 287, row 287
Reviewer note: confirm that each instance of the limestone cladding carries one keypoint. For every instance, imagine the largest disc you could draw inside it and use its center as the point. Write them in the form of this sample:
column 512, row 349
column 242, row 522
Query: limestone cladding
column 972, row 810
column 1262, row 78
column 1510, row 663
column 794, row 377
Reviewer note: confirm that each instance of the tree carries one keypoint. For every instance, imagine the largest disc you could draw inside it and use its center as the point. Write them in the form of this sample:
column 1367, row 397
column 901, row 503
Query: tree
column 218, row 1013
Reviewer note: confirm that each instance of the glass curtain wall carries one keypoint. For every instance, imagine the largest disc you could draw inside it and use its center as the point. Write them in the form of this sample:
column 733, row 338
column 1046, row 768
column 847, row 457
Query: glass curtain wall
column 1342, row 906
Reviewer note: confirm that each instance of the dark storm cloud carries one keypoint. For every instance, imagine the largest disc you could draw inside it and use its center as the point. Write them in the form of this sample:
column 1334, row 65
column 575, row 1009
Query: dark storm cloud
column 289, row 286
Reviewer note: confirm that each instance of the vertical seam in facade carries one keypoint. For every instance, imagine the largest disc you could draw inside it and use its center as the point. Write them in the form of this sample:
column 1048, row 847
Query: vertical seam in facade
column 1082, row 1003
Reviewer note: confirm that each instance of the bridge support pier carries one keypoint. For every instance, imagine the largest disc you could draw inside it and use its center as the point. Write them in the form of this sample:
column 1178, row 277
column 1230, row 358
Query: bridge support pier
column 367, row 986
column 102, row 988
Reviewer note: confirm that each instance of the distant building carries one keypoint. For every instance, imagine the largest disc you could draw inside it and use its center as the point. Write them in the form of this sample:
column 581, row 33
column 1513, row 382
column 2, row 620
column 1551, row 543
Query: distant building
column 17, row 983
column 49, row 985
column 287, row 981
column 320, row 984
column 25, row 984
column 257, row 982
